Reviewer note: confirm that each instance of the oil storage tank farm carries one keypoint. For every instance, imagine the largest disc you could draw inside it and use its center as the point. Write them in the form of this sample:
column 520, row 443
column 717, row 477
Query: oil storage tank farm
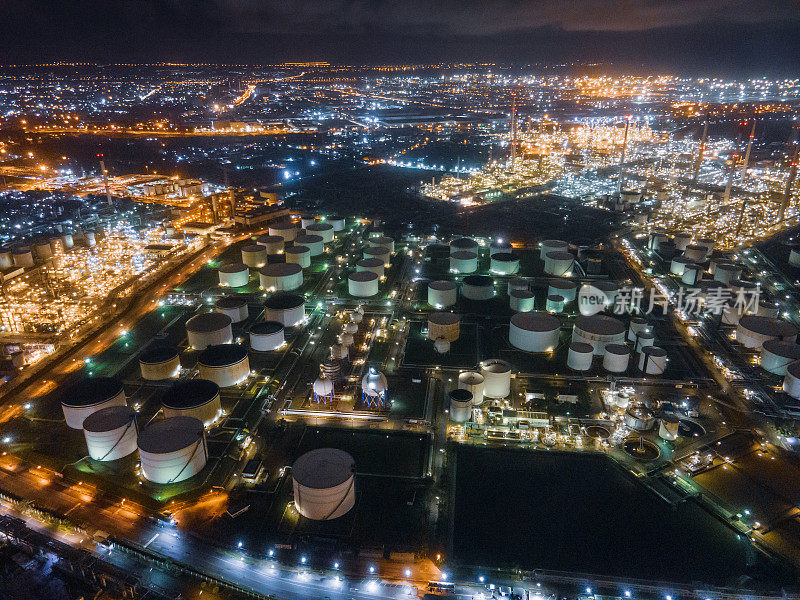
column 598, row 330
column 281, row 277
column 323, row 482
column 534, row 331
column 287, row 309
column 325, row 230
column 234, row 307
column 224, row 364
column 504, row 263
column 208, row 329
column 198, row 398
column 234, row 275
column 314, row 243
column 89, row 395
column 159, row 363
column 442, row 294
column 111, row 433
column 173, row 449
column 558, row 263
column 753, row 330
column 473, row 383
column 286, row 230
column 266, row 336
column 373, row 264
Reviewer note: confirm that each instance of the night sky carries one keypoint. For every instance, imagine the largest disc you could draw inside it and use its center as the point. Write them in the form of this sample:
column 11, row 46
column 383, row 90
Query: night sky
column 726, row 37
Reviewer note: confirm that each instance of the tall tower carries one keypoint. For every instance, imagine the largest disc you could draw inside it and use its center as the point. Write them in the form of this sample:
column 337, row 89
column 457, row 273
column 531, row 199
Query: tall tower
column 622, row 156
column 513, row 129
column 746, row 162
column 787, row 194
column 105, row 179
column 701, row 150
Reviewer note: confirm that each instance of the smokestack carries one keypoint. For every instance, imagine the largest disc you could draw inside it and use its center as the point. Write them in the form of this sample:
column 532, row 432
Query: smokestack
column 105, row 180
column 747, row 151
column 787, row 194
column 701, row 151
column 622, row 156
column 513, row 129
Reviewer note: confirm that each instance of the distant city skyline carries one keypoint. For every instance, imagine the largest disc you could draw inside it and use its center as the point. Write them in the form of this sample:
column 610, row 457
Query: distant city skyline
column 730, row 37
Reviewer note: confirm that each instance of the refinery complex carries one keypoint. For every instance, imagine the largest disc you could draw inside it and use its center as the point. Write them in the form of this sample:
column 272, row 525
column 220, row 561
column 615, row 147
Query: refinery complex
column 304, row 331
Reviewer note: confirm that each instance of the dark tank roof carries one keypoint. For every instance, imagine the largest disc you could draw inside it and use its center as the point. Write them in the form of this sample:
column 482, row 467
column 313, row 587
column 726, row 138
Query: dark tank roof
column 190, row 393
column 158, row 354
column 222, row 355
column 91, row 390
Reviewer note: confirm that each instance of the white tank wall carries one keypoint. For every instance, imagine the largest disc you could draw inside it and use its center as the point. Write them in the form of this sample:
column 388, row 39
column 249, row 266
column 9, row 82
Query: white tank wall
column 325, row 503
column 5, row 260
column 300, row 255
column 464, row 264
column 497, row 378
column 691, row 274
column 552, row 246
column 695, row 253
column 655, row 364
column 323, row 230
column 288, row 233
column 521, row 301
column 226, row 375
column 791, row 382
column 175, row 466
column 75, row 415
column 206, row 413
column 112, row 444
column 281, row 283
column 532, row 341
column 237, row 314
column 315, row 246
column 616, row 363
column 477, row 292
column 379, row 270
column 288, row 316
column 362, row 289
column 554, row 304
column 794, row 257
column 236, row 279
column 555, row 264
column 677, row 266
column 776, row 362
column 380, row 252
column 199, row 340
column 460, row 412
column 272, row 247
column 568, row 292
column 265, row 342
column 472, row 382
column 254, row 258
column 597, row 340
column 442, row 297
column 503, row 267
column 580, row 361
column 161, row 370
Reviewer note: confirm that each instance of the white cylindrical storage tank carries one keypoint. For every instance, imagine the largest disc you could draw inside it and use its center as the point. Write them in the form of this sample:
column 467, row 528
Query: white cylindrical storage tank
column 300, row 255
column 609, row 288
column 254, row 255
column 708, row 244
column 678, row 265
column 43, row 250
column 225, row 364
column 655, row 240
column 89, row 395
column 534, row 331
column 235, row 308
column 464, row 245
column 306, row 220
column 695, row 253
column 554, row 303
column 753, row 330
column 383, row 241
column 637, row 325
column 6, row 261
column 521, row 300
column 565, row 288
column 616, row 357
column 548, row 246
column 442, row 294
column 273, row 244
column 362, row 284
column 691, row 273
column 519, row 283
column 312, row 242
column 281, row 277
column 287, row 230
column 159, row 363
column 443, row 325
column 477, row 287
column 323, row 481
column 767, row 309
column 172, row 450
column 234, row 275
column 681, row 240
column 727, row 272
column 496, row 378
column 198, row 398
column 210, row 328
column 373, row 264
column 791, row 383
column 598, row 330
column 23, row 257
column 504, row 263
column 441, row 345
column 381, row 252
column 323, row 230
column 558, row 263
column 643, row 339
column 111, row 433
column 336, row 222
column 460, row 405
column 473, row 383
column 580, row 356
column 463, row 261
column 717, row 259
column 287, row 309
column 67, row 241
column 499, row 247
column 777, row 355
column 652, row 360
column 90, row 238
column 668, row 427
column 266, row 336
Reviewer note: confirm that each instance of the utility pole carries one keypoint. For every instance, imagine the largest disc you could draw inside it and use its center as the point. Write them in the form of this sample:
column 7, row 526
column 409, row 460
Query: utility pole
column 701, row 150
column 747, row 151
column 622, row 156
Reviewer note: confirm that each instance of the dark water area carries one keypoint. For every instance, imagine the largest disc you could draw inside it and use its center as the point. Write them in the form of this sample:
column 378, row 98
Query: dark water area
column 582, row 513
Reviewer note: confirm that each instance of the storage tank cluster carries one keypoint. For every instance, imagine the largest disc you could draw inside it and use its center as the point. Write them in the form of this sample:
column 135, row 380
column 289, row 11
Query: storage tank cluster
column 281, row 277
column 159, row 363
column 442, row 294
column 323, row 483
column 266, row 336
column 285, row 308
column 224, row 364
column 172, row 449
column 273, row 244
column 598, row 330
column 209, row 328
column 534, row 331
column 496, row 378
column 198, row 398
